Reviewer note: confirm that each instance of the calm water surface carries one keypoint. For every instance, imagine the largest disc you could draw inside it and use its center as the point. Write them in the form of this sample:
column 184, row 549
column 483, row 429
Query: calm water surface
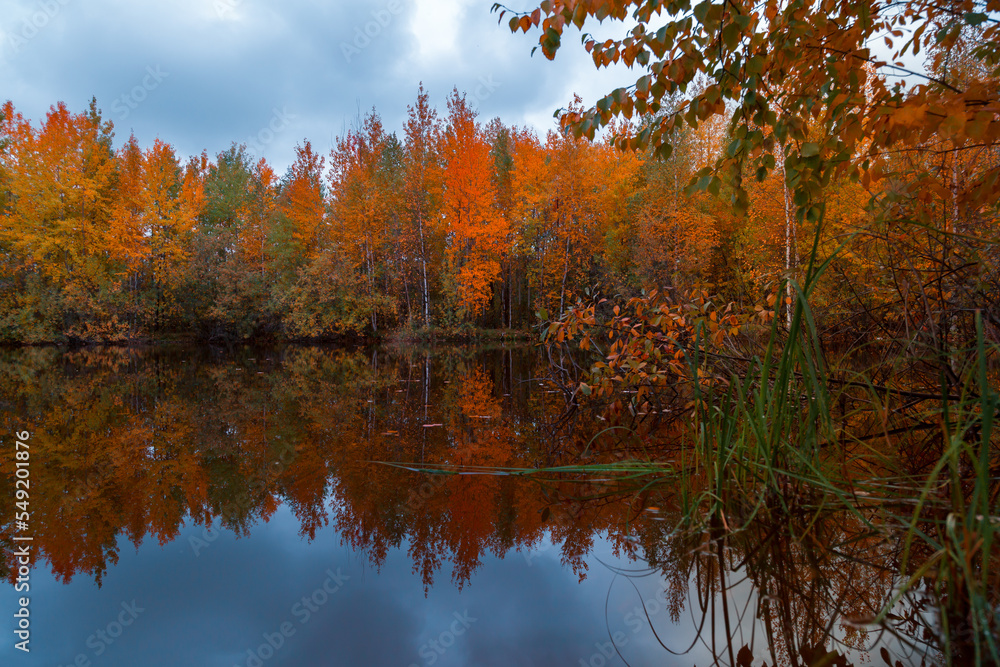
column 223, row 507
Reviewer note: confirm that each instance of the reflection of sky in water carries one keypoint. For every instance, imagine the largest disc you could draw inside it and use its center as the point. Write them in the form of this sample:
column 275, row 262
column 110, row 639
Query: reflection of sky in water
column 209, row 609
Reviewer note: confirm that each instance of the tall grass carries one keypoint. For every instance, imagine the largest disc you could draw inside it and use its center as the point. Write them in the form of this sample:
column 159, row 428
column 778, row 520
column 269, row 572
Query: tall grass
column 760, row 437
column 764, row 432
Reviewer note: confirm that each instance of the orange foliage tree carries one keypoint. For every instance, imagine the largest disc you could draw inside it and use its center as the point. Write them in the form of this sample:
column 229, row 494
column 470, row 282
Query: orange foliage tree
column 475, row 230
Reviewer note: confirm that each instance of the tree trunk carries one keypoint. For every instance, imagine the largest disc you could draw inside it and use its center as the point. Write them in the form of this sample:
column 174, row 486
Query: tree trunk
column 789, row 236
column 562, row 290
column 423, row 266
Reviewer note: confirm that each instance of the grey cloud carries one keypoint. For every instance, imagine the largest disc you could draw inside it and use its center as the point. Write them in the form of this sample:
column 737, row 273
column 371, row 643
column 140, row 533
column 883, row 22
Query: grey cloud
column 231, row 63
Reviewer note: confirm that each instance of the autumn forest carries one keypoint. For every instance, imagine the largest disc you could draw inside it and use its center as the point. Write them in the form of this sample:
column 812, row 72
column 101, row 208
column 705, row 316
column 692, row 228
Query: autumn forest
column 456, row 222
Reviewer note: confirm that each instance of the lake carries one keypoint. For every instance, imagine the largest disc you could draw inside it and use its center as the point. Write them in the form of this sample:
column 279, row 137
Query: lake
column 273, row 506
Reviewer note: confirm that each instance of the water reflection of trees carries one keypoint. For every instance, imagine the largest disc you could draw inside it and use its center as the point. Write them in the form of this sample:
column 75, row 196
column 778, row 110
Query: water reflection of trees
column 135, row 443
column 817, row 579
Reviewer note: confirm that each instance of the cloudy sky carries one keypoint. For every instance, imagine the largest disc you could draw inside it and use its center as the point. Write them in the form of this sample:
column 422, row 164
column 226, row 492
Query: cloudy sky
column 201, row 74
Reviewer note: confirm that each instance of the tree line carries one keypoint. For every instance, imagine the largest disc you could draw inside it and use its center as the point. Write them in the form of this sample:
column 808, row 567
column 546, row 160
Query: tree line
column 455, row 223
